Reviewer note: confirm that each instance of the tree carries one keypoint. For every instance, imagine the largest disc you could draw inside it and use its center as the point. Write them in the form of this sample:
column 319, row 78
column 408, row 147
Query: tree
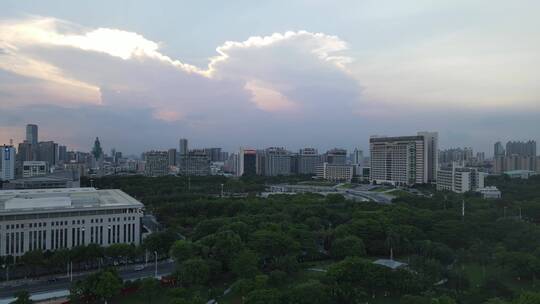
column 263, row 296
column 22, row 297
column 245, row 264
column 194, row 271
column 33, row 259
column 182, row 250
column 108, row 285
column 348, row 246
column 528, row 298
column 311, row 292
column 149, row 289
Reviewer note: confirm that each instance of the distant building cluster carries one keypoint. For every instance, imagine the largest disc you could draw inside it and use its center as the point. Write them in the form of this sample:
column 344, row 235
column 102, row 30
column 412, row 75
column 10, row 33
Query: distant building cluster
column 517, row 156
column 398, row 160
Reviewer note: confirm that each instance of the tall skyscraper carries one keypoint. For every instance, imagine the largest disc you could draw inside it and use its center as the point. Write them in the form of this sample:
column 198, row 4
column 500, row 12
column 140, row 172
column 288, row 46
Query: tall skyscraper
column 431, row 146
column 7, row 165
column 32, row 134
column 405, row 160
column 183, row 146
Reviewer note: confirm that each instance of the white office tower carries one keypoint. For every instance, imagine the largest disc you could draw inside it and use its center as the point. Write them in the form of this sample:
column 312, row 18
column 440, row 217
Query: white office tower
column 404, row 160
column 7, row 164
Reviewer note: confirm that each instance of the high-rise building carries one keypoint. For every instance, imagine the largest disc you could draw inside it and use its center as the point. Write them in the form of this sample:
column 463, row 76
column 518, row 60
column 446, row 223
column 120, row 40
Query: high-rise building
column 518, row 156
column 172, row 157
column 32, row 134
column 62, row 154
column 498, row 149
column 336, row 156
column 357, row 157
column 156, row 163
column 308, row 160
column 214, row 154
column 231, row 164
column 183, row 146
column 247, row 162
column 527, row 149
column 26, row 152
column 277, row 161
column 7, row 164
column 431, row 146
column 47, row 151
column 195, row 163
column 405, row 160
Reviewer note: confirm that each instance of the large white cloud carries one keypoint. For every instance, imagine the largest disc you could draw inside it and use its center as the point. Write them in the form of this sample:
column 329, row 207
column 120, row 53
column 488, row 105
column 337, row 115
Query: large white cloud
column 286, row 78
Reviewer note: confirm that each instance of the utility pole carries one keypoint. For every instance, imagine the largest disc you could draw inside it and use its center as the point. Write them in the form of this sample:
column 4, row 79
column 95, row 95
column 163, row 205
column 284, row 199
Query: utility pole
column 520, row 217
column 462, row 209
column 221, row 190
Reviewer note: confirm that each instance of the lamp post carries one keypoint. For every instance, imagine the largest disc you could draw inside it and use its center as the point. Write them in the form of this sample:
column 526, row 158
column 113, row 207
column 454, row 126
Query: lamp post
column 155, row 265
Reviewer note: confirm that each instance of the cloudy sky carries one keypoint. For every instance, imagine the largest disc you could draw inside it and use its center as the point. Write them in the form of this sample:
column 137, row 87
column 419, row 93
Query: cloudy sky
column 141, row 74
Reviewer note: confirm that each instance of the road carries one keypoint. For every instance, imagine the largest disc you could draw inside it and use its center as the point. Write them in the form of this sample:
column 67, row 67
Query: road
column 63, row 283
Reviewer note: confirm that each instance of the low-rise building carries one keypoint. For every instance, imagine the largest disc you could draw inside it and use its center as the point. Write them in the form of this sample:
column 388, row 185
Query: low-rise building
column 490, row 192
column 34, row 168
column 459, row 179
column 338, row 173
column 523, row 174
column 51, row 219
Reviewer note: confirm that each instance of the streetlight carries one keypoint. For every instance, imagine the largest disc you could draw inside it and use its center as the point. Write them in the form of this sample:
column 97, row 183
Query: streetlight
column 155, row 265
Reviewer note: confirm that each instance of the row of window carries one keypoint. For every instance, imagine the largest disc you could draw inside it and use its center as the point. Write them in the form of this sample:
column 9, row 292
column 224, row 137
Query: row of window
column 15, row 241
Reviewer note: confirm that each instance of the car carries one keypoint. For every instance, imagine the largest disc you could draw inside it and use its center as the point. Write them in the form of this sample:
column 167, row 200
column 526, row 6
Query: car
column 138, row 267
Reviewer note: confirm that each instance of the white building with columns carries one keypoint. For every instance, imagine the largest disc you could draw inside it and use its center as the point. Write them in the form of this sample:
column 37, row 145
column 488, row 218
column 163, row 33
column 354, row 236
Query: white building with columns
column 51, row 219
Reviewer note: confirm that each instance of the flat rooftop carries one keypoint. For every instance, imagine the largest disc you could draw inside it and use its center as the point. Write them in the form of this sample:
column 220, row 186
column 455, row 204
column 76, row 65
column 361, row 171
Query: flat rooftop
column 64, row 199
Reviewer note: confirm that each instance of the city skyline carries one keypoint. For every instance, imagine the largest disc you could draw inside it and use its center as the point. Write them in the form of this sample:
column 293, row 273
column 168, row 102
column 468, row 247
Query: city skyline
column 275, row 77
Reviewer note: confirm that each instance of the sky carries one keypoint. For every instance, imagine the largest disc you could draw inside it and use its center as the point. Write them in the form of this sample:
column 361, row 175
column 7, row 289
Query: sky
column 296, row 73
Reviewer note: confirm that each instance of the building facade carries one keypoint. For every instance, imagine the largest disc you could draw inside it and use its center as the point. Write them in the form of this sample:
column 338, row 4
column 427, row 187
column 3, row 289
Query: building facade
column 7, row 163
column 156, row 163
column 460, row 179
column 399, row 160
column 65, row 218
column 34, row 168
column 277, row 161
column 196, row 163
column 335, row 173
column 32, row 134
column 308, row 161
